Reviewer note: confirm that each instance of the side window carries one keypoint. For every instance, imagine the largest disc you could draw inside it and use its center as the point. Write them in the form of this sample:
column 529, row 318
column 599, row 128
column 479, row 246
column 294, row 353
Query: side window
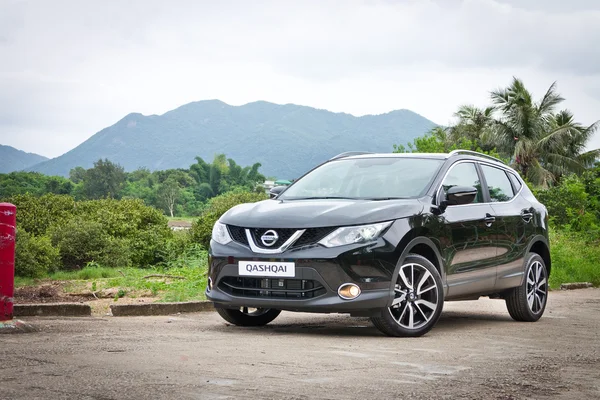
column 515, row 181
column 463, row 174
column 498, row 184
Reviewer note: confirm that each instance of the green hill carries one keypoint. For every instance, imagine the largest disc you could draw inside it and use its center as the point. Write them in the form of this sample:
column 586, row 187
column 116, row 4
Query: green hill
column 287, row 139
column 12, row 159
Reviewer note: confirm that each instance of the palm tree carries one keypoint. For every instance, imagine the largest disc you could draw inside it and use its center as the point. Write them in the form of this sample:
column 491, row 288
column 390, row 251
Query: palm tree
column 474, row 124
column 544, row 145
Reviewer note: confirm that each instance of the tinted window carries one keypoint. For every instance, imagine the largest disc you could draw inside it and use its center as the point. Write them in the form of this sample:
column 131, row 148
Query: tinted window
column 367, row 178
column 463, row 174
column 498, row 184
column 515, row 181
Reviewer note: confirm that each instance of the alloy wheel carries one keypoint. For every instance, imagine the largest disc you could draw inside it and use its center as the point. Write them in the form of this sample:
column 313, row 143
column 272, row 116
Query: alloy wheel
column 537, row 287
column 416, row 297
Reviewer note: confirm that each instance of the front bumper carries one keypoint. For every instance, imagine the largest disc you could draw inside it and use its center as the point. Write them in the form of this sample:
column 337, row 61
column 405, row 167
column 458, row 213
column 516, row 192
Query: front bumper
column 368, row 266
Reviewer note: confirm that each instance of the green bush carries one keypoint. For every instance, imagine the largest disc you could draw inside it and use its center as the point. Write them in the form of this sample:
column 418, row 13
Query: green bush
column 80, row 241
column 570, row 206
column 217, row 206
column 34, row 256
column 175, row 247
column 36, row 215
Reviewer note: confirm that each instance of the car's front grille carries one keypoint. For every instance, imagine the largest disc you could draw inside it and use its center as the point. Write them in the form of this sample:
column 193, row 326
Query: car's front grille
column 283, row 233
column 271, row 287
column 310, row 236
column 238, row 234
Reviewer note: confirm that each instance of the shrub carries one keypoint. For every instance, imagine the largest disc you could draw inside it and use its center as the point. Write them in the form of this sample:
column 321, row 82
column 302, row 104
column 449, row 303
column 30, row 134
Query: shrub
column 569, row 206
column 34, row 256
column 176, row 247
column 217, row 206
column 36, row 215
column 81, row 241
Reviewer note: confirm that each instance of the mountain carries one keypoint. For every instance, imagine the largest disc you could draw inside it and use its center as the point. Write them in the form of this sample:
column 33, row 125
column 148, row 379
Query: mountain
column 287, row 140
column 12, row 159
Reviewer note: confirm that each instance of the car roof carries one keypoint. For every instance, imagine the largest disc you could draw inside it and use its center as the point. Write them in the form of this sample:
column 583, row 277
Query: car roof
column 439, row 156
column 456, row 155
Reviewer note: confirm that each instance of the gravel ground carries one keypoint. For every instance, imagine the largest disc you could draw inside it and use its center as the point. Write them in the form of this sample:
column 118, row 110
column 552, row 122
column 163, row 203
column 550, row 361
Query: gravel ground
column 475, row 352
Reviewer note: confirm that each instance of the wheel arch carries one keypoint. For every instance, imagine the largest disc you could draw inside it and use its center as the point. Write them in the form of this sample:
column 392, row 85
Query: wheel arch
column 424, row 247
column 539, row 245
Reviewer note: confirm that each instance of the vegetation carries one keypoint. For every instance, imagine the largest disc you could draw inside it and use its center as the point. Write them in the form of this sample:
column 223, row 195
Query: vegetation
column 177, row 192
column 56, row 232
column 542, row 144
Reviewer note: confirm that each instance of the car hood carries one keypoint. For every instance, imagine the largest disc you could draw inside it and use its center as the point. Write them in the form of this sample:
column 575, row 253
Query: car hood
column 318, row 213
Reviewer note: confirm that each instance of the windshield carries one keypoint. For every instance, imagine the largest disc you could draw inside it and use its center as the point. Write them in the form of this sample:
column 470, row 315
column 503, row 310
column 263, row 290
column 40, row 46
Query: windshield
column 366, row 178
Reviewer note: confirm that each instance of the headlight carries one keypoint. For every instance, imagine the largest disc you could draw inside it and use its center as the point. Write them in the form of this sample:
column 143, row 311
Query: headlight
column 354, row 234
column 220, row 234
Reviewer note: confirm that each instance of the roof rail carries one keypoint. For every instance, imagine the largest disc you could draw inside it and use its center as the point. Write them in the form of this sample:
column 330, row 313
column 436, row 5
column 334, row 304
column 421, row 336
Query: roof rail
column 350, row 153
column 474, row 153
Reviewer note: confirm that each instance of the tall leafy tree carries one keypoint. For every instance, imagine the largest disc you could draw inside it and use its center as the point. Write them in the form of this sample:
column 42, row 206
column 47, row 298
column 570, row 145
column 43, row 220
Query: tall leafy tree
column 543, row 144
column 105, row 179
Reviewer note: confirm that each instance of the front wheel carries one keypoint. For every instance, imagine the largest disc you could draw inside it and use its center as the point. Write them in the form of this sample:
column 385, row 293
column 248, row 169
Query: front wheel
column 528, row 301
column 418, row 300
column 246, row 316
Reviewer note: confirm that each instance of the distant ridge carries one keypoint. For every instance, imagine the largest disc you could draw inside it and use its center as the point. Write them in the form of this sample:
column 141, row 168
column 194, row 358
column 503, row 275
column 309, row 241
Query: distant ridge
column 12, row 159
column 286, row 139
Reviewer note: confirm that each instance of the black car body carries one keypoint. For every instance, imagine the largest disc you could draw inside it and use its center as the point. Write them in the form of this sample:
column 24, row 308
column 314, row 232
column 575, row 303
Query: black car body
column 466, row 223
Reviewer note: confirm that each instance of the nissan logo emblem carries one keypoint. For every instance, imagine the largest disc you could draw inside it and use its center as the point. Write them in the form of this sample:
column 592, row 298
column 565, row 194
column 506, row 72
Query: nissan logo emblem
column 269, row 238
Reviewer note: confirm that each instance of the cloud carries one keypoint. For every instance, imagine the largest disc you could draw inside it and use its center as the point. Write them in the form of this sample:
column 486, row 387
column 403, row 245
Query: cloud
column 70, row 68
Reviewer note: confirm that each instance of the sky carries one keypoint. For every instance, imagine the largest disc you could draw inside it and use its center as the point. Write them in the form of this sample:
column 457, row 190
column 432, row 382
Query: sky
column 71, row 68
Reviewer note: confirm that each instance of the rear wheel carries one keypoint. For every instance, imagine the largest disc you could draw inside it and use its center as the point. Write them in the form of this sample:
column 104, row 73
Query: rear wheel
column 528, row 301
column 418, row 300
column 247, row 316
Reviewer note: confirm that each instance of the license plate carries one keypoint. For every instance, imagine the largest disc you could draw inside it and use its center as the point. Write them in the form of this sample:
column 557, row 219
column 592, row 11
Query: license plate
column 267, row 268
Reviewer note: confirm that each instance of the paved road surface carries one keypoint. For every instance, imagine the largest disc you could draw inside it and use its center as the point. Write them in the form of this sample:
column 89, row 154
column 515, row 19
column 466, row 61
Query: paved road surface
column 475, row 352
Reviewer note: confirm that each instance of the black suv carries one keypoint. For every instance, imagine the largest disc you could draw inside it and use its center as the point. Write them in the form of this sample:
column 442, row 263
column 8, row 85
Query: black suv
column 389, row 236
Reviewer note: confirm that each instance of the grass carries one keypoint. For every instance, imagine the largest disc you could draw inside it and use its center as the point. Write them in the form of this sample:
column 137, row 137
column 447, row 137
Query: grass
column 130, row 282
column 575, row 258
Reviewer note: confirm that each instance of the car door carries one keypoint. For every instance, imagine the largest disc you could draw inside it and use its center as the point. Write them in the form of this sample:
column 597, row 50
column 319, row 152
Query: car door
column 513, row 224
column 469, row 248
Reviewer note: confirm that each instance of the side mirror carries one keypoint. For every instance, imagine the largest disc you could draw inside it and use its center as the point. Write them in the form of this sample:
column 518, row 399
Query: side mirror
column 276, row 191
column 458, row 195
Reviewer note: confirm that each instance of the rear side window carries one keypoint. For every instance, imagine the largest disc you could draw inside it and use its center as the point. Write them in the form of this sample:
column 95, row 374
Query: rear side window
column 515, row 181
column 463, row 174
column 498, row 184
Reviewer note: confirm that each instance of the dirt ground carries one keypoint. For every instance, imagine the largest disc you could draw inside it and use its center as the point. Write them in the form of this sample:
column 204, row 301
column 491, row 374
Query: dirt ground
column 475, row 352
column 55, row 292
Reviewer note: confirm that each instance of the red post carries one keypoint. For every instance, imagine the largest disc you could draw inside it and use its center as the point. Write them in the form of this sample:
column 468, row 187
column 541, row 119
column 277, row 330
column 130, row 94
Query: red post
column 8, row 222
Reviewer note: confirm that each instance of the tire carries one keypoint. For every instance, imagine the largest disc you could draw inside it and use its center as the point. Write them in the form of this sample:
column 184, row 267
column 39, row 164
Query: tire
column 533, row 288
column 245, row 317
column 412, row 311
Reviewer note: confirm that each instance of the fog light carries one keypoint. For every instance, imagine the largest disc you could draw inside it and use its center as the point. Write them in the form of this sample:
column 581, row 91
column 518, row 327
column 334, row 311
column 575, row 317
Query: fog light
column 209, row 284
column 349, row 291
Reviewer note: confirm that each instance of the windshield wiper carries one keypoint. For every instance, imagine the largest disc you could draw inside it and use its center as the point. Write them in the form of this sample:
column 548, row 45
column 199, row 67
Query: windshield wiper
column 320, row 198
column 383, row 198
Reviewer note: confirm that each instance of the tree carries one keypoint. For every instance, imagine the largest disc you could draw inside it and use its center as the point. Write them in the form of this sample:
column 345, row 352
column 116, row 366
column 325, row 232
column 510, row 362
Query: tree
column 105, row 179
column 474, row 124
column 168, row 193
column 77, row 174
column 544, row 145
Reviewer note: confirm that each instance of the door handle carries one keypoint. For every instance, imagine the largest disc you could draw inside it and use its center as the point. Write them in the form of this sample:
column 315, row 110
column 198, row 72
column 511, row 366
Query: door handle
column 526, row 215
column 489, row 220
